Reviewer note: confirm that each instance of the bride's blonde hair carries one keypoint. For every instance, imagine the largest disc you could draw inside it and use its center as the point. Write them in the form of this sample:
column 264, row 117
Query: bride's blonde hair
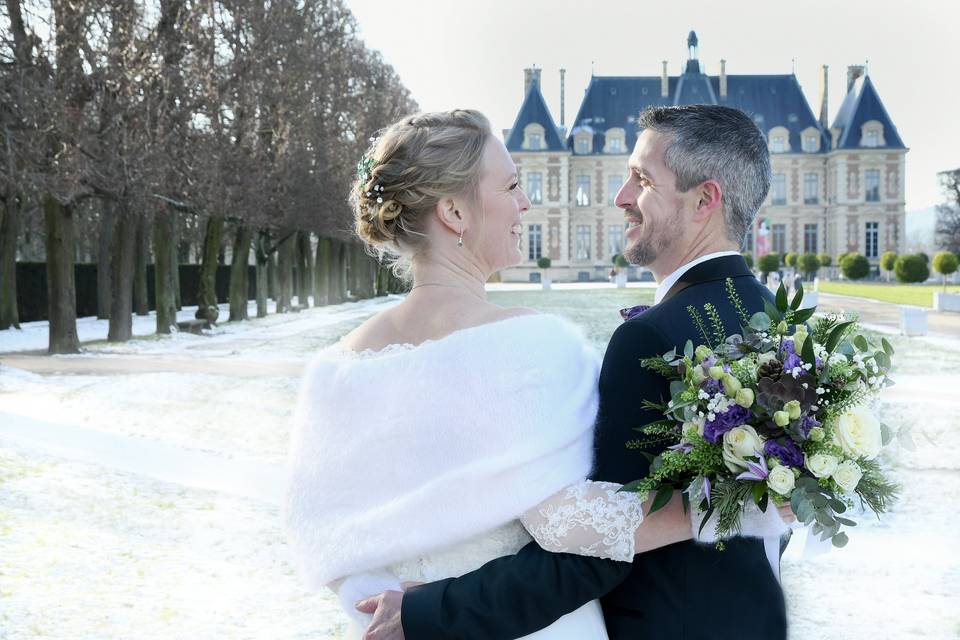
column 412, row 165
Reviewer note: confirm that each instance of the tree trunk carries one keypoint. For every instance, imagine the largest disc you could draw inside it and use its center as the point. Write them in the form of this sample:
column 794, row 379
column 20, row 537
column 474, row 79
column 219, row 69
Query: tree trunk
column 103, row 260
column 61, row 291
column 263, row 258
column 141, row 303
column 175, row 259
column 207, row 307
column 9, row 229
column 306, row 270
column 321, row 272
column 285, row 258
column 123, row 256
column 239, row 286
column 343, row 271
column 165, row 265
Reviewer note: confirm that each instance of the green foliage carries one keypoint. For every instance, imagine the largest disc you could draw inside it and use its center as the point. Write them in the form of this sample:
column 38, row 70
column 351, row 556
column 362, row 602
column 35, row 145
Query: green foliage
column 620, row 261
column 727, row 499
column 874, row 489
column 945, row 263
column 809, row 263
column 888, row 260
column 854, row 266
column 911, row 268
column 737, row 302
column 698, row 322
column 841, row 256
column 790, row 259
column 769, row 262
column 925, row 257
column 825, row 259
column 749, row 258
column 544, row 262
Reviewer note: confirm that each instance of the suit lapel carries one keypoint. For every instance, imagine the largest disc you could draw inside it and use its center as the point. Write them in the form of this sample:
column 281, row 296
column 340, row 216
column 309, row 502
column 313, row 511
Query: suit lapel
column 716, row 269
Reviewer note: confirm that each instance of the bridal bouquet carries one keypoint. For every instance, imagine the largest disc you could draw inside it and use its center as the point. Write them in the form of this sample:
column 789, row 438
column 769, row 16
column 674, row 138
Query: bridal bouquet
column 779, row 412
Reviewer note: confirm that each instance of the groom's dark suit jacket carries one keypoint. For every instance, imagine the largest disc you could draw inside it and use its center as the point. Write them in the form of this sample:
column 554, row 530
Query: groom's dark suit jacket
column 685, row 591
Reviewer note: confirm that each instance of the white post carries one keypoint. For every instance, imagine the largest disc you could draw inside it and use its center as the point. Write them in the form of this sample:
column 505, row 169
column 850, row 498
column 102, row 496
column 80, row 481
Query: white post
column 913, row 321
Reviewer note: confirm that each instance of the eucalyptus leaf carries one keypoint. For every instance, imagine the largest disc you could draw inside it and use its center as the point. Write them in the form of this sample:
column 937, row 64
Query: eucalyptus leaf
column 837, row 505
column 886, row 434
column 887, row 347
column 760, row 321
column 846, row 521
column 840, row 540
column 819, row 501
column 882, row 359
column 860, row 343
column 688, row 349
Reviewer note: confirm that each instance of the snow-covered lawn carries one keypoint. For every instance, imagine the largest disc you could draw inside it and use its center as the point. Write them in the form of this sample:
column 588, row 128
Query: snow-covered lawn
column 140, row 501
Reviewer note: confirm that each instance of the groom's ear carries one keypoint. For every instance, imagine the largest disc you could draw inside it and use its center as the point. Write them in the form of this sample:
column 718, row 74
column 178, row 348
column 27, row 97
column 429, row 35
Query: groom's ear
column 710, row 199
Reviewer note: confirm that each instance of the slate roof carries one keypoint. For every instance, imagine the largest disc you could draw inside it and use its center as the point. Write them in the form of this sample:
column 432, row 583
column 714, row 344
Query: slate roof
column 534, row 109
column 861, row 104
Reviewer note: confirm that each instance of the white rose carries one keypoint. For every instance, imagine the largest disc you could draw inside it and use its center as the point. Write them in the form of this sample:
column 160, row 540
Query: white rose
column 858, row 433
column 848, row 475
column 781, row 480
column 739, row 443
column 822, row 465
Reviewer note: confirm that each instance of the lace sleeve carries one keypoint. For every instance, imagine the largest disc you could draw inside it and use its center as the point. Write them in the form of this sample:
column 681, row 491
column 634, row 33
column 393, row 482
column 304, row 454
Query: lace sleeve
column 588, row 519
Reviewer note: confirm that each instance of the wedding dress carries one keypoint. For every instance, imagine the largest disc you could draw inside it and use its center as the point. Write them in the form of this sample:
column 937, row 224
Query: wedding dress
column 416, row 463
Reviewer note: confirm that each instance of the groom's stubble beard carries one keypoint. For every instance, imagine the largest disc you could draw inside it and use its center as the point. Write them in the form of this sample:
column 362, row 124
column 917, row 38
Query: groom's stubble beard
column 662, row 237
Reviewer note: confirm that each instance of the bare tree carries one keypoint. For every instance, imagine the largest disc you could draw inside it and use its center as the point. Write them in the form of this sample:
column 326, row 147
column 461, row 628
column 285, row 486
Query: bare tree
column 948, row 213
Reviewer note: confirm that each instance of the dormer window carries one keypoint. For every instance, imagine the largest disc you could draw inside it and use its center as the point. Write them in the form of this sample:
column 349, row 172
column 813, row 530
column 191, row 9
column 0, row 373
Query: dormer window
column 871, row 134
column 533, row 137
column 779, row 140
column 614, row 141
column 810, row 140
column 583, row 140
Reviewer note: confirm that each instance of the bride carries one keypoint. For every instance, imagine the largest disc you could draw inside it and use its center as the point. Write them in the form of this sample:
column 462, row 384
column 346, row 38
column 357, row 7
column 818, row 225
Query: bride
column 447, row 431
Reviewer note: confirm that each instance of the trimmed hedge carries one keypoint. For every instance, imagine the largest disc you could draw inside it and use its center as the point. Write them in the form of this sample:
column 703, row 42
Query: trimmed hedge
column 912, row 268
column 749, row 258
column 32, row 288
column 855, row 266
column 769, row 262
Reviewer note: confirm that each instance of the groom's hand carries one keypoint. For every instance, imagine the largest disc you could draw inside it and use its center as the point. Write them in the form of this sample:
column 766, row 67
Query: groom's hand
column 386, row 616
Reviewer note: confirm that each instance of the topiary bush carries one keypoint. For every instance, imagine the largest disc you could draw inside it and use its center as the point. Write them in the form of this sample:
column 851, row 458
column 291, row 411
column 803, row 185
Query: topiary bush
column 841, row 256
column 911, row 268
column 945, row 263
column 768, row 262
column 790, row 259
column 620, row 261
column 749, row 258
column 855, row 266
column 888, row 260
column 809, row 264
column 544, row 262
column 825, row 259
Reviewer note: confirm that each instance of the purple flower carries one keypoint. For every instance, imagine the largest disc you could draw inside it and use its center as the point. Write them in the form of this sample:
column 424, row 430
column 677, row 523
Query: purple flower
column 632, row 312
column 734, row 416
column 686, row 447
column 757, row 470
column 808, row 423
column 785, row 450
column 791, row 360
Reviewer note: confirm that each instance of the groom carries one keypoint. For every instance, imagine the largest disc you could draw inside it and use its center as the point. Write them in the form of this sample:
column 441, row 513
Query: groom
column 698, row 175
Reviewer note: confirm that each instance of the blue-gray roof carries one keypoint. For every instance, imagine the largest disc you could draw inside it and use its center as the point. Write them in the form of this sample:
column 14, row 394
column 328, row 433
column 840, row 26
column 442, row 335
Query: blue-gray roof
column 534, row 110
column 772, row 100
column 862, row 104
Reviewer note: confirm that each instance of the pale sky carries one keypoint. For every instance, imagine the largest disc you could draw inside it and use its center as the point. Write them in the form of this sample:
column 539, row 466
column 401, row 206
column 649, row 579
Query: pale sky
column 472, row 55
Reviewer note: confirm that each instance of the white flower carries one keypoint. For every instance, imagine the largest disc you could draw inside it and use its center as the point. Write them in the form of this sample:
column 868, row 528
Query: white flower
column 781, row 480
column 848, row 475
column 739, row 443
column 822, row 465
column 858, row 433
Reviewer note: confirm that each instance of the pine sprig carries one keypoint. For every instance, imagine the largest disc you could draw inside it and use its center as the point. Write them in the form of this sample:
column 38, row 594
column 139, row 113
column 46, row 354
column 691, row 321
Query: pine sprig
column 698, row 321
column 659, row 365
column 728, row 499
column 874, row 489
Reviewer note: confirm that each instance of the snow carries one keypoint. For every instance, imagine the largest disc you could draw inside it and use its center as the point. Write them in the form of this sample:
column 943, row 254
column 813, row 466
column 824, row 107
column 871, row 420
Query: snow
column 140, row 483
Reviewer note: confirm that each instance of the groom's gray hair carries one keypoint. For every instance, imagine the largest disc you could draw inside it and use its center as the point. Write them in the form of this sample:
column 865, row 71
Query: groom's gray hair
column 720, row 143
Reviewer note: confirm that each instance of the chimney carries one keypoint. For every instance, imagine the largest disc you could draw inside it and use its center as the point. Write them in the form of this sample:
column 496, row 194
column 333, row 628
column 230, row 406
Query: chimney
column 723, row 78
column 664, row 82
column 824, row 115
column 854, row 71
column 563, row 72
column 530, row 76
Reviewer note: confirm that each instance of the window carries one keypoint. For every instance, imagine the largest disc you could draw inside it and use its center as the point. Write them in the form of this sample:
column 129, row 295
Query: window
column 614, row 182
column 615, row 238
column 811, row 143
column 811, row 188
column 777, row 144
column 583, row 242
column 615, row 145
column 779, row 234
column 872, row 181
column 534, row 241
column 778, row 188
column 871, row 138
column 810, row 238
column 748, row 241
column 583, row 191
column 581, row 144
column 872, row 244
column 534, row 187
column 534, row 141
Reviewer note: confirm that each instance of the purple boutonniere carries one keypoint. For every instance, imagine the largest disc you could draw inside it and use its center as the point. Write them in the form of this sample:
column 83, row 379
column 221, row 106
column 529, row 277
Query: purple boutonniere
column 632, row 312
